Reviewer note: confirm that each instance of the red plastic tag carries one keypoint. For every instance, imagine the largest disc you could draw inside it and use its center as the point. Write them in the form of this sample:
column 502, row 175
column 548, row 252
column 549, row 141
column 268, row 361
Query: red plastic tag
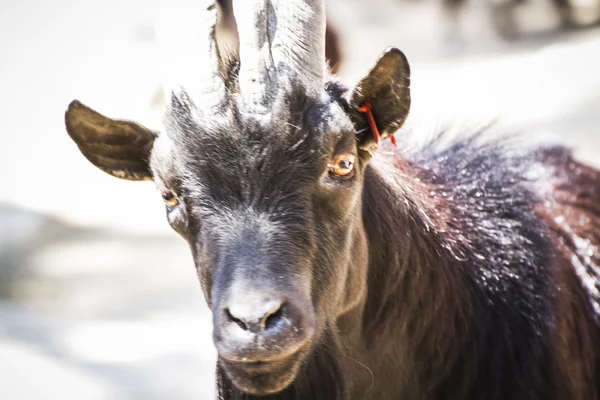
column 367, row 108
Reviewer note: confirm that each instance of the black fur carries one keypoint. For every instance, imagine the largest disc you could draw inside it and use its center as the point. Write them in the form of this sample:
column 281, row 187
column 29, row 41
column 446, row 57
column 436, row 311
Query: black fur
column 496, row 238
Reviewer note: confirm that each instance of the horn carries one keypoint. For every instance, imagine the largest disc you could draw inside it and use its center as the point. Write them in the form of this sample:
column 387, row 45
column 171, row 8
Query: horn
column 186, row 36
column 279, row 37
column 299, row 40
column 256, row 76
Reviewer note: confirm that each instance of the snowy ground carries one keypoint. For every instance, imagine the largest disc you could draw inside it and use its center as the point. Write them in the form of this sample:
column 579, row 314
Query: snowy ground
column 98, row 298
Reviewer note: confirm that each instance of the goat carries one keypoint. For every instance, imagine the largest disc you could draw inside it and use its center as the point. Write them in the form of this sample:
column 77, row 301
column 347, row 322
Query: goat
column 338, row 266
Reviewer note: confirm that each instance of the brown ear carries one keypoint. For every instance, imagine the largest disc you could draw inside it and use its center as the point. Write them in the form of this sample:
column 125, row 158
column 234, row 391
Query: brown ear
column 387, row 88
column 119, row 148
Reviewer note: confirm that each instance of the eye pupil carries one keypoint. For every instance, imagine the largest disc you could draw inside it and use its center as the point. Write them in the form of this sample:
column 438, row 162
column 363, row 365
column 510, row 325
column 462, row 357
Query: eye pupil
column 342, row 165
column 170, row 198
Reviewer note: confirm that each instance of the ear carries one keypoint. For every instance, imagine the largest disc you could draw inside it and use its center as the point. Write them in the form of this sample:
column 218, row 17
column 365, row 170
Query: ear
column 119, row 148
column 387, row 89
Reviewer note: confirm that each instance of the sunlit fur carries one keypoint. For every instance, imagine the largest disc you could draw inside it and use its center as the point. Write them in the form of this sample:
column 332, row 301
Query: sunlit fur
column 477, row 281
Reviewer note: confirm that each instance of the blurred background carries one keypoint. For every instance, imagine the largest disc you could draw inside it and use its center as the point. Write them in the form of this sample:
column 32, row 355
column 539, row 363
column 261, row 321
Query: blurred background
column 98, row 297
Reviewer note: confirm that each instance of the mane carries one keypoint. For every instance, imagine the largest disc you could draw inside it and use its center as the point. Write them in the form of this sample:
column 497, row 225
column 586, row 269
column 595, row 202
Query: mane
column 471, row 266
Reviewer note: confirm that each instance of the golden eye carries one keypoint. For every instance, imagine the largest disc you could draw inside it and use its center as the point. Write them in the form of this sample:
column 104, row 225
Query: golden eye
column 170, row 198
column 342, row 165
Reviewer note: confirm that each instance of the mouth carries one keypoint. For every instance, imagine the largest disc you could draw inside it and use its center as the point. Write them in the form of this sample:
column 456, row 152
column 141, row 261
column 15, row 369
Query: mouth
column 263, row 378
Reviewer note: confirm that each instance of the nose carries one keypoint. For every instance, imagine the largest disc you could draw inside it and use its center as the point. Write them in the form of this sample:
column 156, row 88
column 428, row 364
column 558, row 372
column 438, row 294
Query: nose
column 256, row 325
column 256, row 316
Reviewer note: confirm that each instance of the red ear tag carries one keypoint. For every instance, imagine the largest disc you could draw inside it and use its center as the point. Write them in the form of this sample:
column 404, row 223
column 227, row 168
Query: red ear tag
column 367, row 108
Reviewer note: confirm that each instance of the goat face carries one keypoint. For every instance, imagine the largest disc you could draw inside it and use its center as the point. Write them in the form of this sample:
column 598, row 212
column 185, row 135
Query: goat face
column 267, row 192
column 268, row 211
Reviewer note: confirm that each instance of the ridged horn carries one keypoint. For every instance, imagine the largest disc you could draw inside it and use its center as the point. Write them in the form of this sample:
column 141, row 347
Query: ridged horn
column 279, row 38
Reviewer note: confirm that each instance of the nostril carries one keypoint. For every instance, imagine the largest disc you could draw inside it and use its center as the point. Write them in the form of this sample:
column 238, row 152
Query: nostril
column 253, row 317
column 238, row 321
column 271, row 320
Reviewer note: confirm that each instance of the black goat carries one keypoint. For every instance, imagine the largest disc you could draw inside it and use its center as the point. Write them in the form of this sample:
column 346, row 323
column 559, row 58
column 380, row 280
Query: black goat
column 335, row 270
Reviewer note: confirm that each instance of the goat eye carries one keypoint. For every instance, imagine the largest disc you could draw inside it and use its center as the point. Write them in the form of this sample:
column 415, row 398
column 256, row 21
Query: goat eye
column 170, row 198
column 342, row 165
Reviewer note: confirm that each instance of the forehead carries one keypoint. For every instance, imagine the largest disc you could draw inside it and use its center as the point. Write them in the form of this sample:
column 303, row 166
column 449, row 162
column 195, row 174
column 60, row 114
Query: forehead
column 234, row 153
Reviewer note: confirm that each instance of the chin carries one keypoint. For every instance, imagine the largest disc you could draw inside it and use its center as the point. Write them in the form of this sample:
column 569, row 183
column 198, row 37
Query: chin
column 263, row 378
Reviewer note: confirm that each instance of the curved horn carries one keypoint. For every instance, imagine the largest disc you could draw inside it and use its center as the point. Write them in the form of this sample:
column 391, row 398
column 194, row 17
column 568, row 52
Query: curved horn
column 186, row 36
column 279, row 37
column 299, row 40
column 256, row 78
